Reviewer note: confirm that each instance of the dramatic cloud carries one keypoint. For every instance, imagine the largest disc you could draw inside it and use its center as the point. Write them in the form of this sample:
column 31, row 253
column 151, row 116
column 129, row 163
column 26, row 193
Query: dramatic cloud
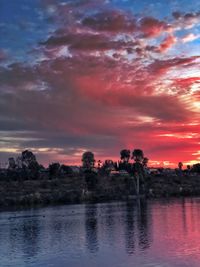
column 112, row 21
column 168, row 42
column 102, row 78
column 187, row 20
column 152, row 27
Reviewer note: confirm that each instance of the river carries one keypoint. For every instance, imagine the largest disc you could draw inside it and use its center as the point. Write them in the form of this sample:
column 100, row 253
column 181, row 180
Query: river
column 156, row 233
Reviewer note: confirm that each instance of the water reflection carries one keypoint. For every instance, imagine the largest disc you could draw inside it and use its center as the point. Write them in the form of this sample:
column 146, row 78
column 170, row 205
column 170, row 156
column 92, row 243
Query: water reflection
column 137, row 225
column 130, row 228
column 184, row 219
column 133, row 234
column 30, row 234
column 143, row 225
column 91, row 228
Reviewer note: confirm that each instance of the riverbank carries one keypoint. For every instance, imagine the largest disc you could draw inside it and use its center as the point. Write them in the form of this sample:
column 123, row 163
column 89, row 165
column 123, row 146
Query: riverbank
column 28, row 193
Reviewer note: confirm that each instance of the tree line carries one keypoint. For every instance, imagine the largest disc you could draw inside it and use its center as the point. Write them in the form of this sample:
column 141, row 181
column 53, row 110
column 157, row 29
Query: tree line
column 26, row 166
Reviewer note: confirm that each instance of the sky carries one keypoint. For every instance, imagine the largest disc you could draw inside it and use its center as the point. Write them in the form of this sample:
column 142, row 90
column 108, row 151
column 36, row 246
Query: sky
column 100, row 75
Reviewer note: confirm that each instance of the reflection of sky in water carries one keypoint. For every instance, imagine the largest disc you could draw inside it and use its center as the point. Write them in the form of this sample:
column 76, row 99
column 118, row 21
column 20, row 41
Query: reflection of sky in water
column 114, row 234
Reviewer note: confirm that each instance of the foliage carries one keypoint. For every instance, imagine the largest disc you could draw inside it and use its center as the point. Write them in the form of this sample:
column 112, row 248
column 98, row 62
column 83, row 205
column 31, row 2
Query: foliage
column 180, row 165
column 54, row 169
column 145, row 162
column 125, row 155
column 196, row 168
column 88, row 160
column 11, row 164
column 91, row 180
column 66, row 169
column 137, row 155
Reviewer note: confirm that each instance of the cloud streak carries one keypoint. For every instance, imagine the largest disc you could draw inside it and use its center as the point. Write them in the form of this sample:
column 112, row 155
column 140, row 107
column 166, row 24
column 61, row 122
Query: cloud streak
column 104, row 79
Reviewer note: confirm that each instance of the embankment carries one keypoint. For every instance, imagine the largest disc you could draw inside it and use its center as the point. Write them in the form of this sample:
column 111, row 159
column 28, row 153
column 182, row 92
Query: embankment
column 92, row 189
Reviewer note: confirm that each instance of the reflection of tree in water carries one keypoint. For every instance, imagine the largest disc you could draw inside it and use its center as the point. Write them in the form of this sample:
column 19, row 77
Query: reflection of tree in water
column 183, row 205
column 137, row 226
column 130, row 228
column 30, row 234
column 23, row 234
column 143, row 225
column 110, row 223
column 91, row 228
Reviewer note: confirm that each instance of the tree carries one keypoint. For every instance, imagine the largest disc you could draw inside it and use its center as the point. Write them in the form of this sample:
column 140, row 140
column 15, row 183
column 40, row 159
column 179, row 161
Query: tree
column 54, row 169
column 138, row 170
column 11, row 164
column 145, row 162
column 125, row 155
column 30, row 164
column 108, row 165
column 29, row 160
column 66, row 169
column 99, row 164
column 188, row 167
column 19, row 162
column 180, row 165
column 88, row 160
column 196, row 168
column 137, row 155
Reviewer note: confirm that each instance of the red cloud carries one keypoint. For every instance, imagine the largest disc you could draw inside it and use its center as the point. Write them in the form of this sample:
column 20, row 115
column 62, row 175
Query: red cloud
column 168, row 42
column 109, row 92
column 151, row 27
column 184, row 83
column 161, row 66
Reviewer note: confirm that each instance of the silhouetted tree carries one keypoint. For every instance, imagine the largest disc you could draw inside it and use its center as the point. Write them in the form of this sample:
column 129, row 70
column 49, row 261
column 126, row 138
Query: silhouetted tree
column 19, row 162
column 66, row 169
column 138, row 169
column 188, row 167
column 180, row 165
column 99, row 164
column 125, row 155
column 145, row 162
column 54, row 170
column 11, row 164
column 28, row 160
column 108, row 166
column 137, row 155
column 88, row 160
column 196, row 168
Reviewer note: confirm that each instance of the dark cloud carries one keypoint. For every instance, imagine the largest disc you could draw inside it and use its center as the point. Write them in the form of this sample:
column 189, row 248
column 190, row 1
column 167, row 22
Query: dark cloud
column 151, row 27
column 86, row 42
column 111, row 21
column 161, row 66
column 101, row 84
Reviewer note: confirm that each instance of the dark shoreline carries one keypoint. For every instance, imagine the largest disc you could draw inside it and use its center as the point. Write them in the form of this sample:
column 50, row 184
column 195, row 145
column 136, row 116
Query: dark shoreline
column 75, row 190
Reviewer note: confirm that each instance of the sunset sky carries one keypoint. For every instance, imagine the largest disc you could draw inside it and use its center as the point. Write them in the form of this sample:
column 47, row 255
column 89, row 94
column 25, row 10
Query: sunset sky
column 100, row 75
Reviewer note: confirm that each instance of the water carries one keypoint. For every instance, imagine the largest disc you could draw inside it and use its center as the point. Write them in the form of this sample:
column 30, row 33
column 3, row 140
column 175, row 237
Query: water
column 151, row 234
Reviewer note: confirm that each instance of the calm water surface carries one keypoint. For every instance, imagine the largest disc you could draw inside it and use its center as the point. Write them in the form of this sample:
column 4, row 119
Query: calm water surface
column 154, row 233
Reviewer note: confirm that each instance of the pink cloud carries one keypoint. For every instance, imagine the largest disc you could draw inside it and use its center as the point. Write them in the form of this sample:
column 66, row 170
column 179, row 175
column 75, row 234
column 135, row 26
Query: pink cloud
column 184, row 83
column 108, row 89
column 190, row 37
column 167, row 43
column 151, row 27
